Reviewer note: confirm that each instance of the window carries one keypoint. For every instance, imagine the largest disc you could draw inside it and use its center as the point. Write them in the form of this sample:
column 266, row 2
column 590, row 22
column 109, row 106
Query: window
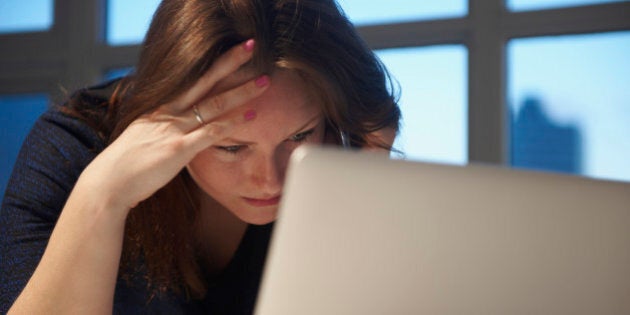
column 433, row 101
column 363, row 12
column 569, row 98
column 524, row 5
column 128, row 21
column 17, row 115
column 25, row 15
column 488, row 54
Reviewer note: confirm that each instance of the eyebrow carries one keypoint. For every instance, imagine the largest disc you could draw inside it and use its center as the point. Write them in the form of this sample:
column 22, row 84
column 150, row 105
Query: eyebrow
column 298, row 130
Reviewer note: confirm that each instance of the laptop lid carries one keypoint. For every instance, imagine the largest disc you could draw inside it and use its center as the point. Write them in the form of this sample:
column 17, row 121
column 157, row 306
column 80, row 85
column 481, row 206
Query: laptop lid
column 361, row 234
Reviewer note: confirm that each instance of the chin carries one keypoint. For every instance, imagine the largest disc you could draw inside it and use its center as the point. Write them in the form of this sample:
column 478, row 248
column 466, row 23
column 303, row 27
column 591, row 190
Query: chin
column 258, row 216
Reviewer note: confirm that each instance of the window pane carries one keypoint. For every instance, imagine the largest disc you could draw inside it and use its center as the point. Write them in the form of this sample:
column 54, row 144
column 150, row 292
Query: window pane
column 570, row 101
column 433, row 84
column 363, row 12
column 25, row 15
column 17, row 115
column 128, row 21
column 524, row 5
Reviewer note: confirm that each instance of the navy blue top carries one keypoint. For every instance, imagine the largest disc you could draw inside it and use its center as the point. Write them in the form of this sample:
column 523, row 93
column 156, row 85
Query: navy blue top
column 52, row 157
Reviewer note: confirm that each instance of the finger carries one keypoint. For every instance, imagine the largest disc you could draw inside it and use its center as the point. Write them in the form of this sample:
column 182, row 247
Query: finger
column 222, row 67
column 213, row 132
column 214, row 106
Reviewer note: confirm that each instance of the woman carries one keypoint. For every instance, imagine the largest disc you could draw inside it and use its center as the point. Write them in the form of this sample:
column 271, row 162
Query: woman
column 163, row 185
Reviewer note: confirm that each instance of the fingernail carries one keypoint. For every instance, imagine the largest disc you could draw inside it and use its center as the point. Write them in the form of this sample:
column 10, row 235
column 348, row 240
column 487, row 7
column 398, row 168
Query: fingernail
column 249, row 115
column 263, row 80
column 249, row 45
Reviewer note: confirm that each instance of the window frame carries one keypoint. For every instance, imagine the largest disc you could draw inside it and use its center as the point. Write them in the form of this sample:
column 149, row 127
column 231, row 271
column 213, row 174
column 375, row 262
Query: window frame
column 73, row 54
column 485, row 32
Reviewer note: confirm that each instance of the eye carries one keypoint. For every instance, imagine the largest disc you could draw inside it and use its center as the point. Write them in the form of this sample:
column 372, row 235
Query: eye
column 302, row 136
column 232, row 149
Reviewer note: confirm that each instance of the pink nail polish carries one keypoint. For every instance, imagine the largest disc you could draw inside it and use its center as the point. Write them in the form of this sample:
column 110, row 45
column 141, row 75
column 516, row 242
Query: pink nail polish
column 249, row 45
column 249, row 115
column 263, row 80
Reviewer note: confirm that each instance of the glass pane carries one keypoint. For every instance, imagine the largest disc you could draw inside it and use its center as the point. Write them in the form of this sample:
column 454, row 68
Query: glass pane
column 128, row 21
column 117, row 73
column 25, row 15
column 525, row 5
column 363, row 12
column 17, row 115
column 570, row 102
column 433, row 100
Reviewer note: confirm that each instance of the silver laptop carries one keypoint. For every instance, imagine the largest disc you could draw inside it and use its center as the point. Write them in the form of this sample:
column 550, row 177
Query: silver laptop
column 361, row 234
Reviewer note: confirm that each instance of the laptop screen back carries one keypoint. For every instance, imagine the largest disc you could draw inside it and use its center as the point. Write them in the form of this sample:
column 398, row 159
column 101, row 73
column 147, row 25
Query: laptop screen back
column 361, row 234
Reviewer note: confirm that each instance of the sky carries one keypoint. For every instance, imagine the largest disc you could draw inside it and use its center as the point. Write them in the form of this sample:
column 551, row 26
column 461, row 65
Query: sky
column 582, row 80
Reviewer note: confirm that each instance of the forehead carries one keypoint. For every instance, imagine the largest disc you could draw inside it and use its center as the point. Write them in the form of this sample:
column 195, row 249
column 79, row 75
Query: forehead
column 286, row 105
column 287, row 91
column 279, row 76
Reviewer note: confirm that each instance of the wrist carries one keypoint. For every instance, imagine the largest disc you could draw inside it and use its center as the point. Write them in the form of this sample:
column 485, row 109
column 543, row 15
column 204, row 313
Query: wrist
column 90, row 195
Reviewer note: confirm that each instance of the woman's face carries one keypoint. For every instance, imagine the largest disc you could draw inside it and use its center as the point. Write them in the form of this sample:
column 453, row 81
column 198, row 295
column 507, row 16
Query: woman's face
column 245, row 172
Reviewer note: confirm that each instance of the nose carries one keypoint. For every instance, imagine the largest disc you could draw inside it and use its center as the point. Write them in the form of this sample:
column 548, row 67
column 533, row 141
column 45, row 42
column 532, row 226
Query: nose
column 267, row 173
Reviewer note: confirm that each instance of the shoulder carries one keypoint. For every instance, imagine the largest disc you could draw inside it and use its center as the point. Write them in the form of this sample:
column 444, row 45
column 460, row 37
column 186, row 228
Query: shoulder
column 71, row 125
column 63, row 134
column 94, row 97
column 57, row 149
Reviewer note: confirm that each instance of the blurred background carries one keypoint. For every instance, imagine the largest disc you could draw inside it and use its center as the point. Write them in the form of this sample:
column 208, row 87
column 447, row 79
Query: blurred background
column 535, row 84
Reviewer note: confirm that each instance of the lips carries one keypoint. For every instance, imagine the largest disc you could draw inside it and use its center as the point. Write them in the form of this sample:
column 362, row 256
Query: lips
column 274, row 201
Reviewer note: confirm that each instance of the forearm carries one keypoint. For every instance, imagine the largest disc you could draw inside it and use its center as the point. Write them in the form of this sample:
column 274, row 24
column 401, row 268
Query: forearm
column 78, row 271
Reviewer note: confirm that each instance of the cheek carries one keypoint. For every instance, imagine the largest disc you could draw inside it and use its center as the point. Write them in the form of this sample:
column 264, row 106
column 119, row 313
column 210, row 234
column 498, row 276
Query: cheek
column 213, row 175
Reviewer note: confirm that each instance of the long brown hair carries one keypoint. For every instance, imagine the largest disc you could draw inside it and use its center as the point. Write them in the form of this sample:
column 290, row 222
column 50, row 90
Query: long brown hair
column 312, row 37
